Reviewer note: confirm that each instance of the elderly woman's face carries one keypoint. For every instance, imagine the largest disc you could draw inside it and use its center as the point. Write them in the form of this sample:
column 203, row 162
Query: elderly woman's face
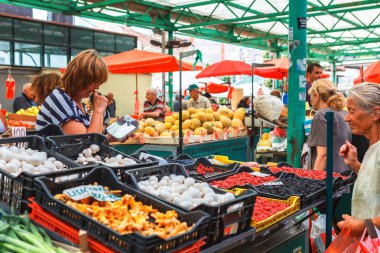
column 360, row 120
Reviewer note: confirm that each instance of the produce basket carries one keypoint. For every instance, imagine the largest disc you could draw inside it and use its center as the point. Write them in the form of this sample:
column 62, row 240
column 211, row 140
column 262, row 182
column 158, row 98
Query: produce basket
column 48, row 130
column 15, row 190
column 226, row 219
column 71, row 145
column 134, row 242
column 217, row 170
column 182, row 159
column 225, row 159
column 293, row 204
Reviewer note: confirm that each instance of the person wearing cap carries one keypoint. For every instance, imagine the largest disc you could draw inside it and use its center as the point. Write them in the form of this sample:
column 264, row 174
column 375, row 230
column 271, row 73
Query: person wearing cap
column 196, row 100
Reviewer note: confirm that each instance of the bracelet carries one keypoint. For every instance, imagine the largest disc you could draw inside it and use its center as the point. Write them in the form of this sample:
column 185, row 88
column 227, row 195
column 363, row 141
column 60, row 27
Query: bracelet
column 370, row 228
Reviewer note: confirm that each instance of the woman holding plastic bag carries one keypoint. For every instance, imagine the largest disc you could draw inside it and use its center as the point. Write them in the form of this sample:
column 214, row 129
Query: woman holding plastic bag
column 363, row 104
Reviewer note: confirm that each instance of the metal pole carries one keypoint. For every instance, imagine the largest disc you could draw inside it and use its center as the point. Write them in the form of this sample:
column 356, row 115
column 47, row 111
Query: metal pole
column 329, row 116
column 333, row 72
column 252, row 137
column 163, row 50
column 277, row 82
column 170, row 74
column 297, row 80
column 180, row 139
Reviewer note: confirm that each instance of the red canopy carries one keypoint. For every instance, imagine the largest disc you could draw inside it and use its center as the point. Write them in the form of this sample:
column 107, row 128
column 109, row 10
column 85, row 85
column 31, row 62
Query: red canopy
column 370, row 74
column 138, row 61
column 216, row 88
column 226, row 68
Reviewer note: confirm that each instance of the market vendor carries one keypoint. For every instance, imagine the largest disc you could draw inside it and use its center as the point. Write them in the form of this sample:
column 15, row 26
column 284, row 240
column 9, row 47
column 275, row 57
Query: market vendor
column 64, row 107
column 25, row 100
column 197, row 100
column 153, row 107
column 363, row 116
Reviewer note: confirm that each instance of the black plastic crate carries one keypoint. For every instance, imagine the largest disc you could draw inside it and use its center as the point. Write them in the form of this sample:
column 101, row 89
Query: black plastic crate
column 218, row 169
column 15, row 190
column 48, row 130
column 71, row 145
column 135, row 242
column 182, row 159
column 226, row 219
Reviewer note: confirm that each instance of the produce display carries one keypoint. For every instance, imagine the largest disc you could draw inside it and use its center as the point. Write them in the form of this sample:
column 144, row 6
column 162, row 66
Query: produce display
column 185, row 192
column 313, row 174
column 241, row 179
column 275, row 190
column 195, row 122
column 15, row 160
column 128, row 215
column 90, row 155
column 18, row 123
column 303, row 186
column 31, row 111
column 203, row 170
column 265, row 208
column 18, row 234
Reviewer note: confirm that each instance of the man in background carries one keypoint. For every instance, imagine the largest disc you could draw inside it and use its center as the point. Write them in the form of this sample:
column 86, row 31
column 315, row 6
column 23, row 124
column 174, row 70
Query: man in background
column 153, row 107
column 197, row 101
column 313, row 72
column 25, row 100
column 111, row 106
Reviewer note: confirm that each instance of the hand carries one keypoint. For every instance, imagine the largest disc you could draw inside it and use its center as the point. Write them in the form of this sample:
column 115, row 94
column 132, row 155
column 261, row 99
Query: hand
column 350, row 155
column 141, row 116
column 357, row 226
column 100, row 103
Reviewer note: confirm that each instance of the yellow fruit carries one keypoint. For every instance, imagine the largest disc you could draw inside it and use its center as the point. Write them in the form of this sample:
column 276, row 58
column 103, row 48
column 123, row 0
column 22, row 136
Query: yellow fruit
column 149, row 122
column 185, row 115
column 159, row 128
column 165, row 133
column 225, row 121
column 209, row 110
column 174, row 127
column 240, row 114
column 217, row 124
column 175, row 115
column 200, row 131
column 200, row 115
column 216, row 115
column 200, row 110
column 209, row 117
column 226, row 112
column 186, row 124
column 176, row 122
column 195, row 123
column 169, row 119
column 167, row 125
column 150, row 130
column 191, row 110
column 185, row 131
column 236, row 123
column 218, row 131
column 208, row 127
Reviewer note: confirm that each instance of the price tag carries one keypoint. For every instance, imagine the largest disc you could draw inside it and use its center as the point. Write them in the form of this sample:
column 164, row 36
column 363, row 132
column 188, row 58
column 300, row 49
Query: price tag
column 18, row 131
column 95, row 191
column 259, row 174
column 273, row 183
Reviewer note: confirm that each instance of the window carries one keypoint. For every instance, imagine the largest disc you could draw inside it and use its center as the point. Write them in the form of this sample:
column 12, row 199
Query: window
column 6, row 28
column 124, row 43
column 27, row 31
column 56, row 35
column 105, row 41
column 82, row 38
column 5, row 53
column 55, row 57
column 27, row 54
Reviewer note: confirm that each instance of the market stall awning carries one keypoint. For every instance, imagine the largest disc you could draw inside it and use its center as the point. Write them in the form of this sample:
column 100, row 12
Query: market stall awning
column 370, row 74
column 138, row 61
column 215, row 88
column 226, row 68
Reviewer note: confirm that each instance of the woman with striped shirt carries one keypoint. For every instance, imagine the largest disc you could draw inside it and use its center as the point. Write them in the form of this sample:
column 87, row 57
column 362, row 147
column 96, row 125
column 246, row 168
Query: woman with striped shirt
column 64, row 107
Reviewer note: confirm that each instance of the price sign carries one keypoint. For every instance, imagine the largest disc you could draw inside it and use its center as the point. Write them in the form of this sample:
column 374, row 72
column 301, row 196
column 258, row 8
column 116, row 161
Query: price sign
column 18, row 131
column 273, row 183
column 96, row 191
column 259, row 174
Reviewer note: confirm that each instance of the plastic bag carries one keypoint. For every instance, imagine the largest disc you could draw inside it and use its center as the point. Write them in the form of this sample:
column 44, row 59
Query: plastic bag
column 270, row 107
column 318, row 234
column 345, row 243
column 370, row 245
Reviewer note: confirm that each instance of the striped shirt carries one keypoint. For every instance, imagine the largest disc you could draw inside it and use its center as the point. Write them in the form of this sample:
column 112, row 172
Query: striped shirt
column 58, row 108
column 158, row 106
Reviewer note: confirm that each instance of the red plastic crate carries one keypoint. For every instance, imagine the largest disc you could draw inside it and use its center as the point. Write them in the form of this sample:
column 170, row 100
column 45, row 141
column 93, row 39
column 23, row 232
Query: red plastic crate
column 39, row 215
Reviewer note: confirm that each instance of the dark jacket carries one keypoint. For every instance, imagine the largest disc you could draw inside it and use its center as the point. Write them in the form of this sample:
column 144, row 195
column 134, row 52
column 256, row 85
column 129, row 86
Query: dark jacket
column 22, row 102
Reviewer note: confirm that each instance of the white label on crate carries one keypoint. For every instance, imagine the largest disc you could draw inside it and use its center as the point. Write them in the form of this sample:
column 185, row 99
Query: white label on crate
column 96, row 191
column 259, row 174
column 18, row 131
column 273, row 183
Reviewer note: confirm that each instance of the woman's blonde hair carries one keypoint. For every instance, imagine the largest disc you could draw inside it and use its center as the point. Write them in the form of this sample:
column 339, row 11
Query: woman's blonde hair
column 86, row 68
column 328, row 93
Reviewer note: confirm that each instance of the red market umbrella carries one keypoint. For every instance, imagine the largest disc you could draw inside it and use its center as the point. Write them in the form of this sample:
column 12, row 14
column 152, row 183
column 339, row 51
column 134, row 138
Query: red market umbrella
column 370, row 74
column 278, row 71
column 226, row 68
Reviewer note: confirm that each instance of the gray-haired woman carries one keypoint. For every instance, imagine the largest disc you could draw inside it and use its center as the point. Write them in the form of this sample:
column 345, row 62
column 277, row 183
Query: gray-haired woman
column 363, row 104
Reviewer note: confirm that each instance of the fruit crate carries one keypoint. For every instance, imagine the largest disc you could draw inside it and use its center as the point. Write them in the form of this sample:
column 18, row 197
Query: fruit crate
column 71, row 145
column 225, row 159
column 16, row 189
column 182, row 159
column 218, row 169
column 293, row 204
column 52, row 223
column 226, row 219
column 134, row 242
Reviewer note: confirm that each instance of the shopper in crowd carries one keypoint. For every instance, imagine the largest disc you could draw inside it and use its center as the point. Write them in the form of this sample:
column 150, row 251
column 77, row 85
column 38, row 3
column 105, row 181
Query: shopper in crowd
column 64, row 107
column 25, row 100
column 325, row 98
column 44, row 84
column 3, row 123
column 363, row 116
column 153, row 107
column 244, row 102
column 313, row 73
column 276, row 93
column 196, row 99
column 111, row 106
column 176, row 103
